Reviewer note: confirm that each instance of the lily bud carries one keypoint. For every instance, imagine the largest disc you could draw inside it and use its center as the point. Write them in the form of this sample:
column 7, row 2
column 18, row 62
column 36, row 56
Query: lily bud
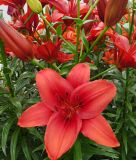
column 115, row 9
column 35, row 5
column 20, row 46
column 101, row 6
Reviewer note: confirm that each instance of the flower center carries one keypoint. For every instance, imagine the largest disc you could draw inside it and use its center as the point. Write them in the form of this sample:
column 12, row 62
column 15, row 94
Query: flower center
column 67, row 107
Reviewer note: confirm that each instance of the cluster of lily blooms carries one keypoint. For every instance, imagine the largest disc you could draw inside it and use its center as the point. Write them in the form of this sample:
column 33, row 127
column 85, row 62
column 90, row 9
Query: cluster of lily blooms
column 72, row 105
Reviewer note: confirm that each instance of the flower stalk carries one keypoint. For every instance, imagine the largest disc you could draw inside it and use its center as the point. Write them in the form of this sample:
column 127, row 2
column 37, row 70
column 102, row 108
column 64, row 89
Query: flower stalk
column 28, row 18
column 102, row 73
column 94, row 43
column 126, row 100
column 132, row 23
column 99, row 37
column 36, row 63
column 78, row 31
column 48, row 23
column 5, row 67
column 90, row 10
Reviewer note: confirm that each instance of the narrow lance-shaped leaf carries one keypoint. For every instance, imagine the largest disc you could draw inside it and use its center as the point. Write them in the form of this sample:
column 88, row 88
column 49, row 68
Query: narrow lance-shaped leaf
column 5, row 133
column 13, row 144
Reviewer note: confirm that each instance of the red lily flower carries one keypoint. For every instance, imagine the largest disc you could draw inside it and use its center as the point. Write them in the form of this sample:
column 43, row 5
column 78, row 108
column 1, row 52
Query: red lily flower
column 70, row 106
column 13, row 3
column 109, row 57
column 70, row 35
column 34, row 20
column 68, row 8
column 51, row 53
column 14, row 6
column 19, row 22
column 95, row 31
column 19, row 45
column 124, row 55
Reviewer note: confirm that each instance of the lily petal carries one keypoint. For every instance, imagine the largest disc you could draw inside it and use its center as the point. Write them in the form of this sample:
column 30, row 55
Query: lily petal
column 61, row 134
column 62, row 5
column 93, row 97
column 79, row 74
column 122, row 42
column 99, row 130
column 36, row 115
column 52, row 87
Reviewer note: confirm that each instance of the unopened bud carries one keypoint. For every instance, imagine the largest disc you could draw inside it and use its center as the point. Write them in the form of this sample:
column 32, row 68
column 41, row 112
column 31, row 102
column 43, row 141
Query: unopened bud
column 35, row 5
column 115, row 9
column 19, row 45
column 101, row 6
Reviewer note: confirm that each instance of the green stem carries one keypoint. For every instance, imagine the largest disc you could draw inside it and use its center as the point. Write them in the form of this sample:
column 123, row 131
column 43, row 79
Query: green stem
column 90, row 10
column 54, row 66
column 94, row 43
column 81, row 50
column 77, row 32
column 28, row 18
column 132, row 24
column 5, row 68
column 102, row 73
column 99, row 37
column 124, row 114
column 126, row 100
column 36, row 63
column 48, row 23
column 67, row 43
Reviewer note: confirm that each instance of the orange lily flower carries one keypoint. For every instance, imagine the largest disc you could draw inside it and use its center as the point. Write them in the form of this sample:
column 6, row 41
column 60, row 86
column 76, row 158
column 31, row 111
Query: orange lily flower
column 124, row 55
column 51, row 52
column 70, row 106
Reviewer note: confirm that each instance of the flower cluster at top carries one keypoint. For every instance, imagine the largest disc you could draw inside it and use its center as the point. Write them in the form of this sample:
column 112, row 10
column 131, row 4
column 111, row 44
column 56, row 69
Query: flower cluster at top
column 61, row 22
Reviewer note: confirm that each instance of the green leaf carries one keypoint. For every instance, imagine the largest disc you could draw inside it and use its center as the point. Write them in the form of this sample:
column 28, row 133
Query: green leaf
column 59, row 30
column 13, row 144
column 88, row 21
column 71, row 48
column 46, row 158
column 118, row 29
column 5, row 132
column 126, row 26
column 25, row 149
column 35, row 157
column 129, row 106
column 84, row 40
column 119, row 126
column 93, row 67
column 3, row 90
column 41, row 147
column 132, row 120
column 2, row 109
column 34, row 132
column 90, row 148
column 77, row 151
column 124, row 137
column 133, row 129
column 6, row 70
column 70, row 18
column 17, row 105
